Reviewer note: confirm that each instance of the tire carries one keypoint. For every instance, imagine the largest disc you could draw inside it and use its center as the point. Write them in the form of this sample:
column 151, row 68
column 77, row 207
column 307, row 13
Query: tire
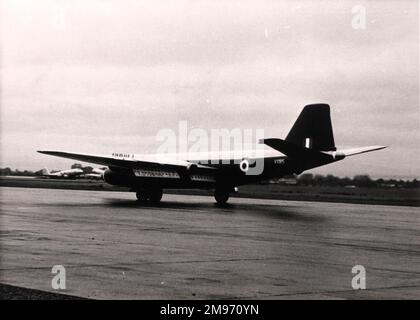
column 221, row 196
column 141, row 196
column 155, row 196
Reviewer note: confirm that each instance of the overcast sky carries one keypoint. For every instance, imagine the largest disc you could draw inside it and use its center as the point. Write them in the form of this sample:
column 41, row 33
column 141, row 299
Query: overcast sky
column 106, row 76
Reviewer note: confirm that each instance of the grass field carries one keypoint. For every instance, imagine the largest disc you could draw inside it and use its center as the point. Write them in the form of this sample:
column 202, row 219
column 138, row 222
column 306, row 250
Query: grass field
column 386, row 196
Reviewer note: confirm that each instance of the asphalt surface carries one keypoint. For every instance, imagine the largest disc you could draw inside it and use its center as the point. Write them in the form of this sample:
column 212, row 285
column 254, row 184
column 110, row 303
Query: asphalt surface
column 187, row 247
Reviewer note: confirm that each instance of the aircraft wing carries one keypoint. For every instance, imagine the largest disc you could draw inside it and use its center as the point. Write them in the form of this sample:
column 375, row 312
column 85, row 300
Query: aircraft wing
column 126, row 162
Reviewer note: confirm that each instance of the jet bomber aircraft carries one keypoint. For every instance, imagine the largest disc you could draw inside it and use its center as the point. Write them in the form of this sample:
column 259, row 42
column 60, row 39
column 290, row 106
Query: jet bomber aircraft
column 309, row 144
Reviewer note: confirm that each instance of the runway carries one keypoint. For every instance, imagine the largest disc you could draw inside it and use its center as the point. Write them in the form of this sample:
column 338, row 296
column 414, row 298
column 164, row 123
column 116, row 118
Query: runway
column 187, row 247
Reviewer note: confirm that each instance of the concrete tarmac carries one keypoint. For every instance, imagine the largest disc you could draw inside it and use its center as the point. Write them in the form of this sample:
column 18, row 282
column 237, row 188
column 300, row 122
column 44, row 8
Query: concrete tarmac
column 187, row 247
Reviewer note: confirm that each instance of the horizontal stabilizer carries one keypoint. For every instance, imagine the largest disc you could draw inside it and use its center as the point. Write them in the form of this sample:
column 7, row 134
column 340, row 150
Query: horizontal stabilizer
column 354, row 151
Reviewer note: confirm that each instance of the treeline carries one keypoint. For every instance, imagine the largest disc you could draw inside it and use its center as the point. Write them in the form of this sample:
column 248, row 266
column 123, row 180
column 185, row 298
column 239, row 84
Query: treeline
column 28, row 173
column 11, row 172
column 309, row 179
column 306, row 179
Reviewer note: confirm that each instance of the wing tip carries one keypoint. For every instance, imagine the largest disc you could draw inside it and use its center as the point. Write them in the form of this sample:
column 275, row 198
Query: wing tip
column 380, row 147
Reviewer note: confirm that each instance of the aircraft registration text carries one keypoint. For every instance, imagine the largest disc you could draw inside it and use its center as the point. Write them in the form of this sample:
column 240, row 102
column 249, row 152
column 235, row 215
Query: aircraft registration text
column 151, row 173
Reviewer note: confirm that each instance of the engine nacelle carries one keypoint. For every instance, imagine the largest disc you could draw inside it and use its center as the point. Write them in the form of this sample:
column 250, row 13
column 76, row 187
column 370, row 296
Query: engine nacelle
column 118, row 179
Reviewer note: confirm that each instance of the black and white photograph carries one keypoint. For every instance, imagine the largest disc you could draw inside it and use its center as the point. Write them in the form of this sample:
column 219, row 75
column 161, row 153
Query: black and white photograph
column 210, row 155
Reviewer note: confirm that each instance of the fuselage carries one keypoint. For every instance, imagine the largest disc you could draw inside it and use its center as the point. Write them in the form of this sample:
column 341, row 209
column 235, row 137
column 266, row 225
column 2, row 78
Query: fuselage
column 209, row 173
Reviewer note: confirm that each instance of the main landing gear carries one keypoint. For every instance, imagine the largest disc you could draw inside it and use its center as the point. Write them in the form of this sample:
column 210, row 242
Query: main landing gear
column 221, row 196
column 153, row 195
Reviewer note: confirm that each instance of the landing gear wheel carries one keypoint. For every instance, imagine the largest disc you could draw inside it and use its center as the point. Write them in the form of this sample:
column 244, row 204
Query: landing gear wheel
column 141, row 196
column 155, row 196
column 221, row 196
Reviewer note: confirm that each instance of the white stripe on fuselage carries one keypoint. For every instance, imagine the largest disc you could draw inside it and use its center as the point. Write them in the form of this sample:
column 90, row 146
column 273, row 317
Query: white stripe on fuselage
column 182, row 158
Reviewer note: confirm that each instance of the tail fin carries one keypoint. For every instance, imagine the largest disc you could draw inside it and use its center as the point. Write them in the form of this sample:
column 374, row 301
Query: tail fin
column 313, row 129
column 294, row 151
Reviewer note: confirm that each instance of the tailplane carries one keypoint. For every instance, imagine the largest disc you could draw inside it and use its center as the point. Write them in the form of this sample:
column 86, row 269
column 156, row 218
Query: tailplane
column 354, row 151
